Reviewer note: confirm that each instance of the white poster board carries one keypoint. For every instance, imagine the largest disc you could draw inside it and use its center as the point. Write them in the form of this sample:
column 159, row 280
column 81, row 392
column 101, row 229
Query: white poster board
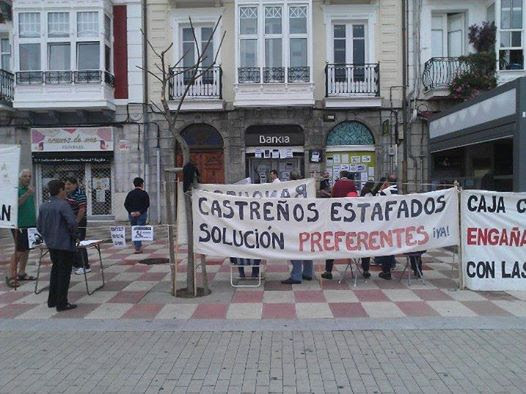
column 118, row 236
column 142, row 233
column 9, row 170
column 493, row 240
column 299, row 229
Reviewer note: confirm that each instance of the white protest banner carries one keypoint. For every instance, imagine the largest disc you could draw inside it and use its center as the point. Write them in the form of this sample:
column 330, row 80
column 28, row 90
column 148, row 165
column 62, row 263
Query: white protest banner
column 303, row 188
column 493, row 240
column 298, row 229
column 34, row 238
column 142, row 233
column 9, row 169
column 118, row 236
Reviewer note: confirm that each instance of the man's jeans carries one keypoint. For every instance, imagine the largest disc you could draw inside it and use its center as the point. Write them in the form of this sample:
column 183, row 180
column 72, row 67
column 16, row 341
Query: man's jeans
column 297, row 266
column 138, row 221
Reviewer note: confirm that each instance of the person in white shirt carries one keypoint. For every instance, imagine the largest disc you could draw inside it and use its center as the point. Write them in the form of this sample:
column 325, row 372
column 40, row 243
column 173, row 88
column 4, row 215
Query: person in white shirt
column 274, row 176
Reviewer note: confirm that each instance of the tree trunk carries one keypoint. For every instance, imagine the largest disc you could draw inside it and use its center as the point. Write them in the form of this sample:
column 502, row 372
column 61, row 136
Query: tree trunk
column 190, row 273
column 170, row 217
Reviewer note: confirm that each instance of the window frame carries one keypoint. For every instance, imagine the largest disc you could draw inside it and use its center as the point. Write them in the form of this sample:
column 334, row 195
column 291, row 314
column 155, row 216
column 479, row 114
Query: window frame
column 510, row 31
column 45, row 39
column 262, row 36
column 6, row 53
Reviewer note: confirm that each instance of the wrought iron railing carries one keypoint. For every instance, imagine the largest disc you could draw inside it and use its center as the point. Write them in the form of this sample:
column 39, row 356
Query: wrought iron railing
column 439, row 72
column 352, row 79
column 207, row 84
column 273, row 74
column 6, row 87
column 64, row 77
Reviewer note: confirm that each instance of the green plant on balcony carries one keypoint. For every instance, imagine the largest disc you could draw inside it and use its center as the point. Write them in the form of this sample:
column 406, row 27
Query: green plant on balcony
column 477, row 71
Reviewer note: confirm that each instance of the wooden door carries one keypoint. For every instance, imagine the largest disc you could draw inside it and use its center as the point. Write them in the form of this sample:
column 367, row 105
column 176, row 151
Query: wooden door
column 211, row 165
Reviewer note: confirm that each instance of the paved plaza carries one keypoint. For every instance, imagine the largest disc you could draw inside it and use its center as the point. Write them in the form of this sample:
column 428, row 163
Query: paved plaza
column 320, row 336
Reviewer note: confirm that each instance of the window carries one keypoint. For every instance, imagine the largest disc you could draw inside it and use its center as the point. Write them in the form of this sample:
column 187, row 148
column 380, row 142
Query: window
column 5, row 47
column 448, row 35
column 29, row 57
column 107, row 27
column 349, row 51
column 88, row 56
column 202, row 35
column 87, row 24
column 273, row 43
column 511, row 56
column 59, row 56
column 58, row 24
column 29, row 24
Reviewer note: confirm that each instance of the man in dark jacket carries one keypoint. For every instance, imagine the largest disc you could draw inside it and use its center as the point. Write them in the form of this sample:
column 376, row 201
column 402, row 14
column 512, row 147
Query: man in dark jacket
column 58, row 226
column 137, row 203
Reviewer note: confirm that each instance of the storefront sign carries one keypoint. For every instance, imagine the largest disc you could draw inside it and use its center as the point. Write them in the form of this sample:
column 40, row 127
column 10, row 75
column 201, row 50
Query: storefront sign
column 280, row 135
column 301, row 229
column 9, row 169
column 493, row 240
column 83, row 139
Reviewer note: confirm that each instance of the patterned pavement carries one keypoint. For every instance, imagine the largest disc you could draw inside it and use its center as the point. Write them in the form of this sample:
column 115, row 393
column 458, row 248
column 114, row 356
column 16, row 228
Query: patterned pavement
column 137, row 291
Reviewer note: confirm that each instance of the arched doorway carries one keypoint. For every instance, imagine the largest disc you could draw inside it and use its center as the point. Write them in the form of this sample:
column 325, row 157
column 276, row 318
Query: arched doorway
column 206, row 151
column 351, row 147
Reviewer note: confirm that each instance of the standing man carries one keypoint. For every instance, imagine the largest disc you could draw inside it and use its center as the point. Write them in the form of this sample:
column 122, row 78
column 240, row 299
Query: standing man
column 301, row 269
column 26, row 218
column 137, row 203
column 77, row 200
column 274, row 176
column 58, row 226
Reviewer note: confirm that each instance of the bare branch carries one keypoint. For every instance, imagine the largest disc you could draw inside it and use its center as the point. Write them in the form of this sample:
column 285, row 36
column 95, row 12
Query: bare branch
column 151, row 46
column 150, row 72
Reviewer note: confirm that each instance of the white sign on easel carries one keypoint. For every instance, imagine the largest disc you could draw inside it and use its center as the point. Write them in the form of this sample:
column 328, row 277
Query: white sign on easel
column 118, row 236
column 142, row 233
column 9, row 169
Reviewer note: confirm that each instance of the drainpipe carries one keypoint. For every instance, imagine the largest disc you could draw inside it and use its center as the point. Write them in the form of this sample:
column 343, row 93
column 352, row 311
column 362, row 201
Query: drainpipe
column 404, row 93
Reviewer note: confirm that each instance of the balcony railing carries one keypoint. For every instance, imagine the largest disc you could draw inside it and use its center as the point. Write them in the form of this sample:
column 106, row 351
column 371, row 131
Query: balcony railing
column 64, row 77
column 273, row 74
column 352, row 79
column 207, row 85
column 6, row 87
column 439, row 72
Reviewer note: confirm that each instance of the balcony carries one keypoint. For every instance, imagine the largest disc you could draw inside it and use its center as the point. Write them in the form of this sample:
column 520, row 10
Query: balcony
column 6, row 89
column 352, row 85
column 64, row 89
column 273, row 86
column 204, row 94
column 438, row 74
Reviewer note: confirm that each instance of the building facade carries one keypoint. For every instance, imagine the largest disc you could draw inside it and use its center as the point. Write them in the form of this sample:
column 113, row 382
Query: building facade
column 304, row 85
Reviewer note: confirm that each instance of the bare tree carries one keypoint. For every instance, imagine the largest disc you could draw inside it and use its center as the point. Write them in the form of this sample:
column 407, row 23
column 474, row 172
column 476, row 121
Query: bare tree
column 164, row 72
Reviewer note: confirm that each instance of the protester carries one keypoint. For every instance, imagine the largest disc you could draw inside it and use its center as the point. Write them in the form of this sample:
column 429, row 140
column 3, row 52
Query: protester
column 376, row 189
column 77, row 200
column 301, row 269
column 341, row 188
column 325, row 186
column 389, row 188
column 274, row 176
column 26, row 219
column 366, row 261
column 190, row 176
column 240, row 262
column 137, row 203
column 58, row 226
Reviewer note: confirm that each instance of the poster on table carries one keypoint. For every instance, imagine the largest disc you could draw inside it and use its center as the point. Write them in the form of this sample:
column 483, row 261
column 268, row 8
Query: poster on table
column 9, row 170
column 302, row 188
column 493, row 240
column 299, row 229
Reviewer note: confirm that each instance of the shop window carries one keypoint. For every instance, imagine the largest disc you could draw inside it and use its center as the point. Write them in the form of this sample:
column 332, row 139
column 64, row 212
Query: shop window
column 350, row 133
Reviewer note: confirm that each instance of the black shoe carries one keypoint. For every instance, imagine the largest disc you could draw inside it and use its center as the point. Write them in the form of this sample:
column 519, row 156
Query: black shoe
column 385, row 275
column 326, row 275
column 66, row 307
column 306, row 277
column 51, row 305
column 366, row 274
column 290, row 281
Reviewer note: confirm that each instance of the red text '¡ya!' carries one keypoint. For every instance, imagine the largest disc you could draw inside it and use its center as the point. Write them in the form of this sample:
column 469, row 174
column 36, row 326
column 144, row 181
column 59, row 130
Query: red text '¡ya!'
column 362, row 240
column 496, row 237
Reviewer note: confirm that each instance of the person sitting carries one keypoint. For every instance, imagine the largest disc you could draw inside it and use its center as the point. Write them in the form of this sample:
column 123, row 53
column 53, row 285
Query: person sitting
column 367, row 191
column 342, row 188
